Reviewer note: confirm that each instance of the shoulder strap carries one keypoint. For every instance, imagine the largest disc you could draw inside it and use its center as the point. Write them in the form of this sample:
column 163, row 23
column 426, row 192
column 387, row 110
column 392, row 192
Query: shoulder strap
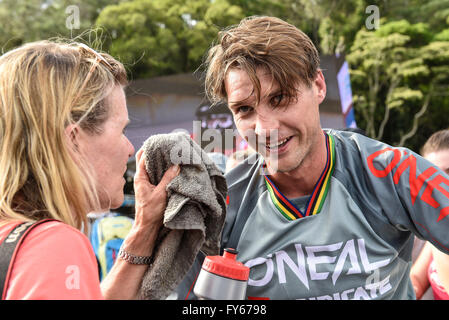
column 9, row 248
column 243, row 212
column 239, row 223
column 248, row 192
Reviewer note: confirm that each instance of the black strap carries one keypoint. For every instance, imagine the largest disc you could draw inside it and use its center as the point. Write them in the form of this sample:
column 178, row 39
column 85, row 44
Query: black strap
column 236, row 232
column 9, row 248
column 243, row 213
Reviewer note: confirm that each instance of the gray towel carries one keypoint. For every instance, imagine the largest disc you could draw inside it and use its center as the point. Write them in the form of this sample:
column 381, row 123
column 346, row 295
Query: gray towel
column 195, row 213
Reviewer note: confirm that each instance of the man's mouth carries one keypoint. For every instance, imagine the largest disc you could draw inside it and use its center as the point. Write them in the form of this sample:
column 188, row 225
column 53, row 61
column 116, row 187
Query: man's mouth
column 274, row 146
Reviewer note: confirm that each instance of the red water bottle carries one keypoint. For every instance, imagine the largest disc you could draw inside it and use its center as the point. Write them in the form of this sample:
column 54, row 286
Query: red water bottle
column 222, row 278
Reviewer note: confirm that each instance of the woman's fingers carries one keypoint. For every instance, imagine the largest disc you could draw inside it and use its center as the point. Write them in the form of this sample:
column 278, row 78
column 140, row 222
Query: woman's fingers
column 168, row 176
column 151, row 200
column 141, row 171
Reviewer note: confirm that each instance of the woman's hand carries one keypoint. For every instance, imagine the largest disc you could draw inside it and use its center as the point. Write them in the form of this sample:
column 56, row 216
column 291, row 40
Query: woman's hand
column 151, row 200
column 124, row 279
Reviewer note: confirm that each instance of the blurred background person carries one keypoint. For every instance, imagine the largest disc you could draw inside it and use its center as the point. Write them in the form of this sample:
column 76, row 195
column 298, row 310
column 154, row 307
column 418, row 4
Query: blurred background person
column 431, row 269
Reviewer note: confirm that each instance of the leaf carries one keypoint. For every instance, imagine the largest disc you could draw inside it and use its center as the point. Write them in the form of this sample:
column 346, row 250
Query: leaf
column 403, row 96
column 436, row 52
column 442, row 36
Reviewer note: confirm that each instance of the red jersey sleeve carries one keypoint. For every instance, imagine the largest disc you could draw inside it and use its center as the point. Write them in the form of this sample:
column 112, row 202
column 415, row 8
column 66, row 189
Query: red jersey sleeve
column 55, row 262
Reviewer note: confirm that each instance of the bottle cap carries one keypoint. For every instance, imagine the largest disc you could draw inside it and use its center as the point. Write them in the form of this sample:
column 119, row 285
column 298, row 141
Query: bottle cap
column 226, row 265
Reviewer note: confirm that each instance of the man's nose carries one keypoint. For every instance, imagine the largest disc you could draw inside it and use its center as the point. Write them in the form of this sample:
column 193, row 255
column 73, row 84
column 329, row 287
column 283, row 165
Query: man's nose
column 266, row 121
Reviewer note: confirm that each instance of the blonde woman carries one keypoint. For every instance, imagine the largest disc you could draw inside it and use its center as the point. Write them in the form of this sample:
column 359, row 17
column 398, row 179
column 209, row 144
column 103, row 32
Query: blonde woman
column 63, row 154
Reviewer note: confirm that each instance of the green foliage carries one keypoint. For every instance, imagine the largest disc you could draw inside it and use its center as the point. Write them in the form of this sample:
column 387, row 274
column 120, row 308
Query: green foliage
column 339, row 23
column 442, row 36
column 419, row 32
column 156, row 37
column 402, row 96
column 397, row 72
column 31, row 20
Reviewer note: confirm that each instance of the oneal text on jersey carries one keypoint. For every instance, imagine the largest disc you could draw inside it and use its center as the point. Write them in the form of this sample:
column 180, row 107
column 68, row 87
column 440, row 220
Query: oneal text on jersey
column 343, row 268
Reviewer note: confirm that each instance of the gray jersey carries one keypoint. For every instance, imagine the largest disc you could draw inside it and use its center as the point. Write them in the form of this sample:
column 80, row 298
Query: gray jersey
column 352, row 238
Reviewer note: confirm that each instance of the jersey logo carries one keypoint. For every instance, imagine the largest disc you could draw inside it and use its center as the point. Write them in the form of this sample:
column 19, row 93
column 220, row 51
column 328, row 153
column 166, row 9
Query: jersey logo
column 310, row 265
column 416, row 182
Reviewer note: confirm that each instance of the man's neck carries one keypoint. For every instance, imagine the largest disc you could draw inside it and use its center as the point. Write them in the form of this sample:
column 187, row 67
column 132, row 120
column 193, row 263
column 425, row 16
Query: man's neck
column 302, row 180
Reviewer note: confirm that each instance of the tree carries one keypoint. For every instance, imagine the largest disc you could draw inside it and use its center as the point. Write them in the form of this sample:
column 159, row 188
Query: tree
column 396, row 72
column 157, row 37
column 331, row 24
column 31, row 20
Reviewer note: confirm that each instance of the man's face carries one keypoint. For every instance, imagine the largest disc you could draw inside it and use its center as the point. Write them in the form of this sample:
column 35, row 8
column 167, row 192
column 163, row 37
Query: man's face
column 286, row 131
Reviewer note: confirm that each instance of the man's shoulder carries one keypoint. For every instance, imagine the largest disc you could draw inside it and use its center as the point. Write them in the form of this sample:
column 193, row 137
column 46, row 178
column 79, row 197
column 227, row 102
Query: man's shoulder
column 352, row 148
column 352, row 139
column 244, row 171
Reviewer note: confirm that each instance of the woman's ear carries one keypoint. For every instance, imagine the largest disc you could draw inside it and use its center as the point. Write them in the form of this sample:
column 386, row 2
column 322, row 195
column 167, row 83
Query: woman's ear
column 72, row 133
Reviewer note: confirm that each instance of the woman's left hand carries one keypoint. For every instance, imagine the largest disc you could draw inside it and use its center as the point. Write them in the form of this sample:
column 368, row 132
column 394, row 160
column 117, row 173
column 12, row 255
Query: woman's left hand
column 151, row 200
column 124, row 279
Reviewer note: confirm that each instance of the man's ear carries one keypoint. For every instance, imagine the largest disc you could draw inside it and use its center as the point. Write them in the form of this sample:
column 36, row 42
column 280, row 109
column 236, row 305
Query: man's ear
column 72, row 134
column 320, row 84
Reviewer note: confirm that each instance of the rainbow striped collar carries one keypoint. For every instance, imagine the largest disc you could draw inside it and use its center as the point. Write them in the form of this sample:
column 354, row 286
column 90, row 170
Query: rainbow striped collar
column 318, row 196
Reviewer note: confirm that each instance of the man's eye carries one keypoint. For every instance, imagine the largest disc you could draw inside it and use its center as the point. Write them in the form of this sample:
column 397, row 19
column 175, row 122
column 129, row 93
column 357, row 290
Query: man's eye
column 243, row 109
column 277, row 100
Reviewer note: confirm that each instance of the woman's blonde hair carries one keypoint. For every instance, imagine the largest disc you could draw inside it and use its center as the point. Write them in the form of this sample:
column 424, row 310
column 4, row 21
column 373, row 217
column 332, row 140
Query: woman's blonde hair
column 46, row 86
column 283, row 50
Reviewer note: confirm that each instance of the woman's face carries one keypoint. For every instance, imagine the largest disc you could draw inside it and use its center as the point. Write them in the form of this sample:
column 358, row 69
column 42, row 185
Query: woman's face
column 108, row 152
